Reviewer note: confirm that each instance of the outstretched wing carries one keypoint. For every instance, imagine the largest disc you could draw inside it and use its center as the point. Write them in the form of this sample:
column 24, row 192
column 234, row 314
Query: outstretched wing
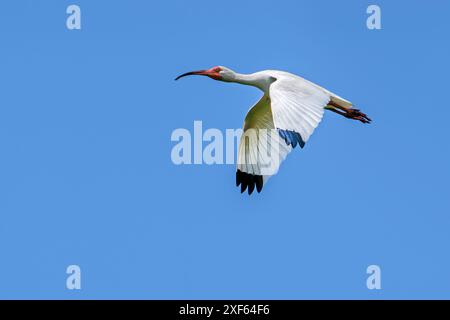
column 297, row 107
column 261, row 149
column 285, row 117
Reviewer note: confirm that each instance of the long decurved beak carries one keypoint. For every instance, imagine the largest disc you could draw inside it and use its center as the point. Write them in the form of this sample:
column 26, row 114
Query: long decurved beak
column 194, row 73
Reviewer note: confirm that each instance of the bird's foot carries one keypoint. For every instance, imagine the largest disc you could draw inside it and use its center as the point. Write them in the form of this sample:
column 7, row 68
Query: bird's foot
column 356, row 114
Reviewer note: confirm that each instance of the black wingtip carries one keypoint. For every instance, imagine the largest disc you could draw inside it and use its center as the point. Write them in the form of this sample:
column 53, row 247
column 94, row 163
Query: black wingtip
column 249, row 182
column 259, row 183
column 238, row 178
column 251, row 185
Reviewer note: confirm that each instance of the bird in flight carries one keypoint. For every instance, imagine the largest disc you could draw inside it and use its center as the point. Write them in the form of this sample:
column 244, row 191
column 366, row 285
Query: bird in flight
column 284, row 118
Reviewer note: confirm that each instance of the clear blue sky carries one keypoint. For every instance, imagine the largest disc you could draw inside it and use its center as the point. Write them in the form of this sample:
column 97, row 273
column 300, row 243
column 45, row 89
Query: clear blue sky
column 86, row 176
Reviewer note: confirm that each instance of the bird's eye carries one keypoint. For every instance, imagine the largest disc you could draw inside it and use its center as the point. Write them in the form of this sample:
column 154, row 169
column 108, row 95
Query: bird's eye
column 218, row 70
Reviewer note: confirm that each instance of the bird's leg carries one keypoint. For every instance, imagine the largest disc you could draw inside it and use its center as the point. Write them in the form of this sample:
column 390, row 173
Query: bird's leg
column 335, row 110
column 349, row 113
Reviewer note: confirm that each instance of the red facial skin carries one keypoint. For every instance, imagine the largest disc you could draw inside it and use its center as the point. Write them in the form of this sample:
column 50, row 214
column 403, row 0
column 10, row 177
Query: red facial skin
column 213, row 73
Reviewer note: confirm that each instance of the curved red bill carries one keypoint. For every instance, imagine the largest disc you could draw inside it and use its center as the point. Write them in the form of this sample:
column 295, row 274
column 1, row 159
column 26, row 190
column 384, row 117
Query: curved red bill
column 213, row 73
column 193, row 73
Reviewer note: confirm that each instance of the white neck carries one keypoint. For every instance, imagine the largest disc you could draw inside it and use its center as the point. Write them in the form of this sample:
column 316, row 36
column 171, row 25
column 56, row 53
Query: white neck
column 258, row 80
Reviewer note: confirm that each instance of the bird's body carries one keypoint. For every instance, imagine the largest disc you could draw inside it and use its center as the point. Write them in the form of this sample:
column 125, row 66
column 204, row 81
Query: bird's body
column 284, row 118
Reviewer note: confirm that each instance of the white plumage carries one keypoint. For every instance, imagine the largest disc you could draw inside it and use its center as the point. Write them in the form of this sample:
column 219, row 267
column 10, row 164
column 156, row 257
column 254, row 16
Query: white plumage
column 285, row 117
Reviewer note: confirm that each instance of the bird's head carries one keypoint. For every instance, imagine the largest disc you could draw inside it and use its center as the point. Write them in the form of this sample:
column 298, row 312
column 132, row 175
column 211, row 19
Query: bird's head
column 217, row 73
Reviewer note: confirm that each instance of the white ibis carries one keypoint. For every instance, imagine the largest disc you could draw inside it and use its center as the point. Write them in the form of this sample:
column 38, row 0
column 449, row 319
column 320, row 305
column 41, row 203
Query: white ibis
column 291, row 106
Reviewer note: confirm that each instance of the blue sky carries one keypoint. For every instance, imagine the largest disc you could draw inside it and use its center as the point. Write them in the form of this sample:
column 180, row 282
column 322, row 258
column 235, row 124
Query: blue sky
column 86, row 176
